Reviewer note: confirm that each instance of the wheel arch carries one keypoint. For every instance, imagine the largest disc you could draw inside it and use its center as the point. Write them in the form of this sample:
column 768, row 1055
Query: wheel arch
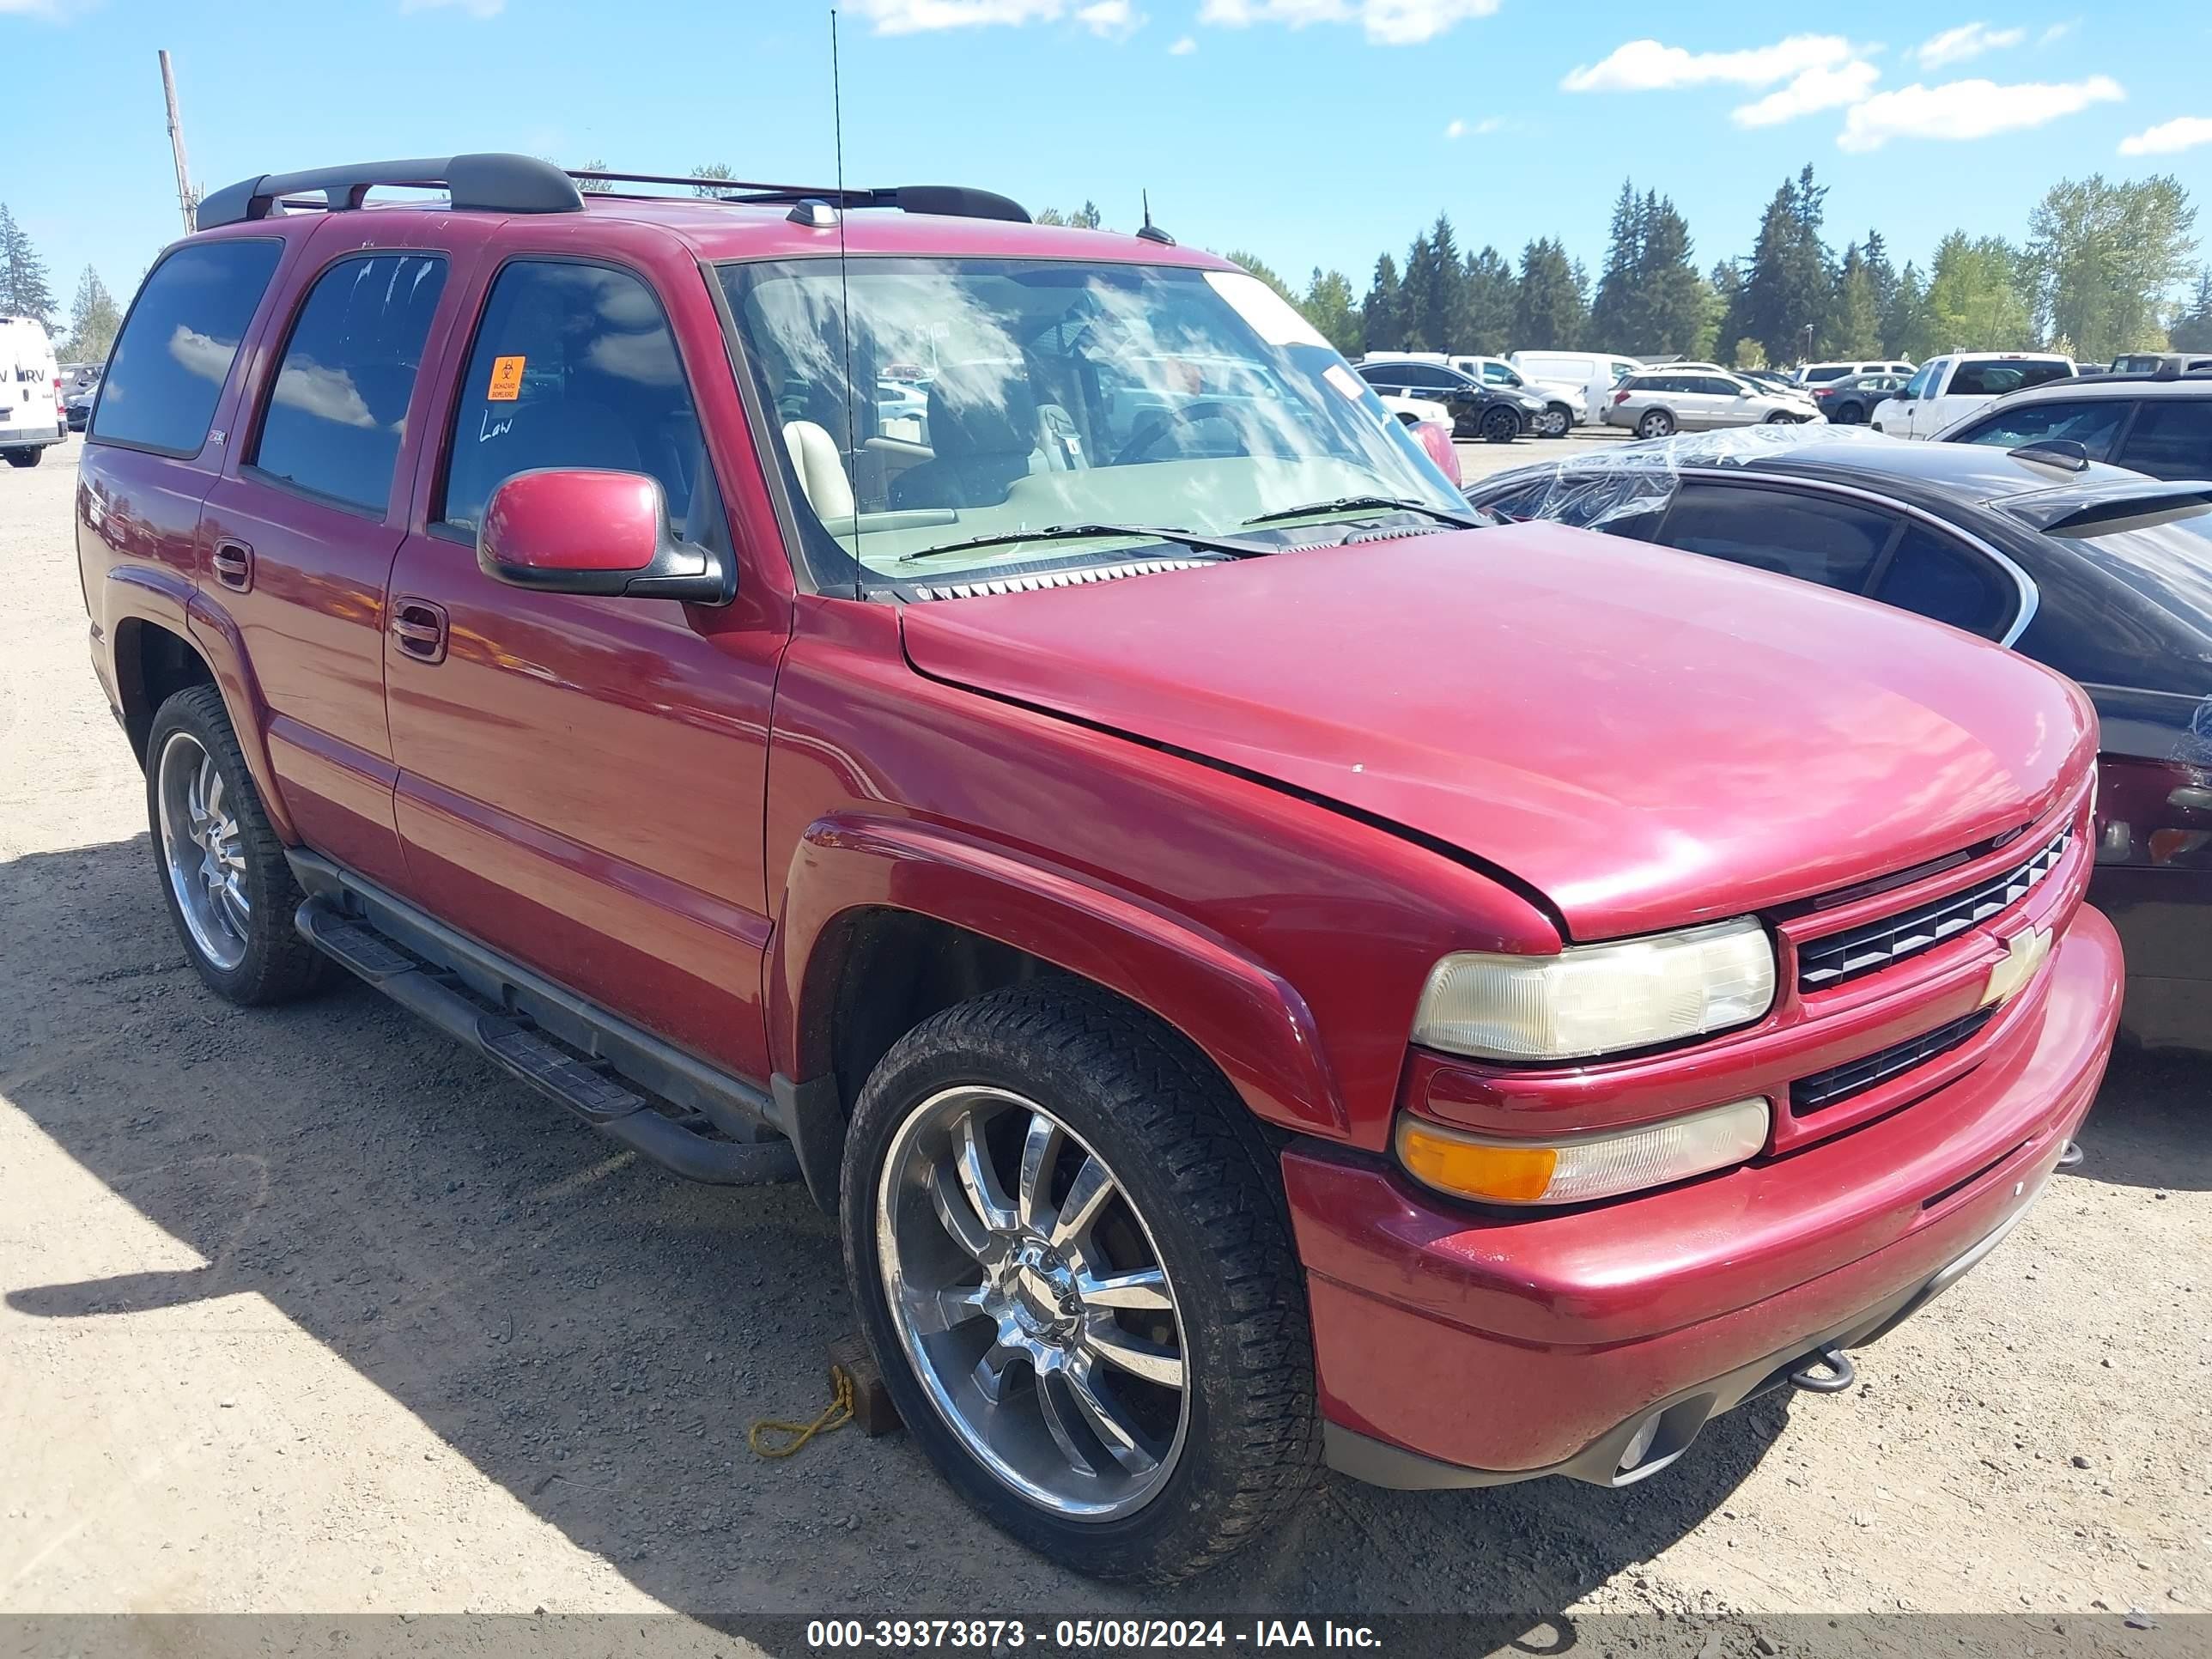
column 886, row 922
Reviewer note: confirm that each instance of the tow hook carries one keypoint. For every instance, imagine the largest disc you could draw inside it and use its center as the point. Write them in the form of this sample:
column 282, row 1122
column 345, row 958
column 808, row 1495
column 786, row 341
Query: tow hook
column 1838, row 1373
column 2070, row 1155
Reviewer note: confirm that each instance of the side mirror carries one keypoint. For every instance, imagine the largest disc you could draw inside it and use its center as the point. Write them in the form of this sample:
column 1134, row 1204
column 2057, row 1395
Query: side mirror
column 564, row 530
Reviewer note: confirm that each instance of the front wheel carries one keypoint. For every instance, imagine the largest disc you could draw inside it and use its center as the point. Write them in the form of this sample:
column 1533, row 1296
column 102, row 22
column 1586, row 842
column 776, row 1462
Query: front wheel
column 1500, row 426
column 1655, row 423
column 1068, row 1249
column 1554, row 421
column 25, row 457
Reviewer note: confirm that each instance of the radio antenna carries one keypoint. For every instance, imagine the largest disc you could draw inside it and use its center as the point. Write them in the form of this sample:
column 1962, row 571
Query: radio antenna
column 845, row 297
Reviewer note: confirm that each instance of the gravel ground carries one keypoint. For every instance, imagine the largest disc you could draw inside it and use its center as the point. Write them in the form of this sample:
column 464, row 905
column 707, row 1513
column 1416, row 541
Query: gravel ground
column 309, row 1310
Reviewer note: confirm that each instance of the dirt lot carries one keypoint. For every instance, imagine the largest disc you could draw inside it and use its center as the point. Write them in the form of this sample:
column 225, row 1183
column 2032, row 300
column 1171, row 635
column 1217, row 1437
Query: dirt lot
column 310, row 1310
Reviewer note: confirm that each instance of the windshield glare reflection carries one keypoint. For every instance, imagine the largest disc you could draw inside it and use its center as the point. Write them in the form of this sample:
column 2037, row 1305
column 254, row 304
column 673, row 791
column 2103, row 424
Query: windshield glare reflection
column 991, row 397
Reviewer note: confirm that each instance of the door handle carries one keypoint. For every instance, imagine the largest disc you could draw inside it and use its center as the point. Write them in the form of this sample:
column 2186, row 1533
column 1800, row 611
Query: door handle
column 419, row 628
column 234, row 565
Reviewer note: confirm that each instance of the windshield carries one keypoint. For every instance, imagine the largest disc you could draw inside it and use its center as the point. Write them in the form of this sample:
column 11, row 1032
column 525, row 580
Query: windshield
column 978, row 400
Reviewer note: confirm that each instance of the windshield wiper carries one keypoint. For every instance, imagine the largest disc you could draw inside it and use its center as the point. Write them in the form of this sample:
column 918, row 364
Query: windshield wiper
column 1369, row 503
column 1069, row 533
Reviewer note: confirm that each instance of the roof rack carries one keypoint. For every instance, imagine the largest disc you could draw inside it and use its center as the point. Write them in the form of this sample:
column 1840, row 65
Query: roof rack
column 490, row 182
column 957, row 201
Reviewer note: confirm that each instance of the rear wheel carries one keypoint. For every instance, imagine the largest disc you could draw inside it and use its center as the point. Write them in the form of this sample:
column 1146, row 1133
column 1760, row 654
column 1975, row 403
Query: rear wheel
column 1655, row 423
column 1848, row 414
column 229, row 890
column 1067, row 1246
column 1500, row 426
column 25, row 457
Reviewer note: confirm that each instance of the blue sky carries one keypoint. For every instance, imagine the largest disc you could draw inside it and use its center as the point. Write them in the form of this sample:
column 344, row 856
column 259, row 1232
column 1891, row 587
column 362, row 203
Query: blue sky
column 1307, row 131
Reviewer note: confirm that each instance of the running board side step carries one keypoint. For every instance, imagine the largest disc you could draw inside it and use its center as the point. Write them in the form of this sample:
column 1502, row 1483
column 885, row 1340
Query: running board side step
column 509, row 1036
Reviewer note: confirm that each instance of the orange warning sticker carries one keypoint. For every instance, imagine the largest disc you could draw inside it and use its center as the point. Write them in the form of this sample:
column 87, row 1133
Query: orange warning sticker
column 506, row 380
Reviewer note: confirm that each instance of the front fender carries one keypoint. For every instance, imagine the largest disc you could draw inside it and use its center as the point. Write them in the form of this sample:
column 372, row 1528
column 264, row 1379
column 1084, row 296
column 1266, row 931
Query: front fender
column 1248, row 1019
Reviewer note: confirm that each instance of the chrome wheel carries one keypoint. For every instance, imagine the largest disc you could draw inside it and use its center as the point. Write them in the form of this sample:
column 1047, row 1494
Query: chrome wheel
column 1032, row 1303
column 203, row 851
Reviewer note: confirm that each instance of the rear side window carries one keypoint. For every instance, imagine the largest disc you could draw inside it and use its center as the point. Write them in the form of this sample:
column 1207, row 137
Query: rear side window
column 1931, row 576
column 1994, row 379
column 2092, row 424
column 1813, row 538
column 185, row 329
column 2171, row 439
column 574, row 367
column 339, row 408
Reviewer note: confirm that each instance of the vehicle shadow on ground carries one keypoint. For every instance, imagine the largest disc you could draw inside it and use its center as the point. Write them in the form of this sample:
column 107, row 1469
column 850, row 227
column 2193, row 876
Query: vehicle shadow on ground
column 2152, row 1124
column 595, row 1336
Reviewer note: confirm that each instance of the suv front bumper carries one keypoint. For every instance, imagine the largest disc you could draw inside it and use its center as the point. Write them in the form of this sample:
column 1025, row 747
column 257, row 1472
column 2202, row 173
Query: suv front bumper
column 1455, row 1347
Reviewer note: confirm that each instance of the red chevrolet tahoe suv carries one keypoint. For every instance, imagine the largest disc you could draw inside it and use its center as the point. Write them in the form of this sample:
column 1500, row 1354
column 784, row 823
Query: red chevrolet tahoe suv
column 994, row 721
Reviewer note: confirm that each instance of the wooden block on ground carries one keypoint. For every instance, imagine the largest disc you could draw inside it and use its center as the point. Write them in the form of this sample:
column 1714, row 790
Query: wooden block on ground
column 873, row 1413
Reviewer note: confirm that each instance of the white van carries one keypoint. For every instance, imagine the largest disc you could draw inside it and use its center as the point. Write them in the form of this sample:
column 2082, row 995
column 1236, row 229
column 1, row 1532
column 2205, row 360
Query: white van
column 1951, row 387
column 1821, row 373
column 31, row 414
column 1585, row 379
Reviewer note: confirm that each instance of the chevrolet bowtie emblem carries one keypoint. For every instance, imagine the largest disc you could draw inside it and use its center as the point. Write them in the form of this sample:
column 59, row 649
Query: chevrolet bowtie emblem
column 2023, row 953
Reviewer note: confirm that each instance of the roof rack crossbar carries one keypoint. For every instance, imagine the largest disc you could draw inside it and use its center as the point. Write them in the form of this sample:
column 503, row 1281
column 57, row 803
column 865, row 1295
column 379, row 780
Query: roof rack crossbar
column 487, row 181
column 958, row 201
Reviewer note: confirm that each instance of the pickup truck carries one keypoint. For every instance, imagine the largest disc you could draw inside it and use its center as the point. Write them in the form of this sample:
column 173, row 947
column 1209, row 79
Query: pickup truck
column 1268, row 968
column 1944, row 391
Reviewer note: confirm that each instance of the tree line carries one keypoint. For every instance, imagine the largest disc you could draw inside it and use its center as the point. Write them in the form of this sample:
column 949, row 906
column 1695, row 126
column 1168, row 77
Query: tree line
column 26, row 291
column 2093, row 278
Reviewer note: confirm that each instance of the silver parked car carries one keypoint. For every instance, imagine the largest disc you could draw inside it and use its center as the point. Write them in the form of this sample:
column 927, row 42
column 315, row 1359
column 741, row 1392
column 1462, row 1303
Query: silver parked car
column 1659, row 401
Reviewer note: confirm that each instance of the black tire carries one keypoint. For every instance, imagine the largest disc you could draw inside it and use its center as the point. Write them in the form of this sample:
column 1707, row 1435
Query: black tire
column 1655, row 423
column 1781, row 418
column 277, row 965
column 25, row 457
column 1556, row 422
column 1848, row 414
column 1500, row 426
column 1199, row 1176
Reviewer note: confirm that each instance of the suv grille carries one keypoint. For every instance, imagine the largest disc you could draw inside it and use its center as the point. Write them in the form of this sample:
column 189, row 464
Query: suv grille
column 1839, row 1083
column 1824, row 963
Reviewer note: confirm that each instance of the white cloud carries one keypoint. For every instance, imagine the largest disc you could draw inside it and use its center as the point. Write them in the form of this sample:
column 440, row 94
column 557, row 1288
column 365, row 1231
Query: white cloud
column 921, row 16
column 1116, row 18
column 1649, row 66
column 1969, row 109
column 2184, row 133
column 1387, row 23
column 1183, row 47
column 1489, row 123
column 1967, row 41
column 2058, row 32
column 1815, row 89
column 473, row 7
column 1456, row 128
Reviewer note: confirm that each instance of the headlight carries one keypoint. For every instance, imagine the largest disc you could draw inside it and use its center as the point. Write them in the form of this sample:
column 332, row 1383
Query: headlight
column 1576, row 1168
column 1598, row 999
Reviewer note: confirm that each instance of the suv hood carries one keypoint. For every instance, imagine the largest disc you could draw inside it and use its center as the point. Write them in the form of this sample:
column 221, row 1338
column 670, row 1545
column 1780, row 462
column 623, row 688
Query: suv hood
column 1651, row 739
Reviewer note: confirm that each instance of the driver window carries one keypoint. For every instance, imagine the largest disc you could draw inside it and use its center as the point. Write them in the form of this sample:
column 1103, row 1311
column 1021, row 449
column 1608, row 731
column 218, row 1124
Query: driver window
column 573, row 366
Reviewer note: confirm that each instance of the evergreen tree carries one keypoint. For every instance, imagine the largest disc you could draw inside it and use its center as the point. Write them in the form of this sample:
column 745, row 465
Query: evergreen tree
column 1441, row 296
column 94, row 320
column 1855, row 324
column 1329, row 307
column 1491, row 293
column 23, row 289
column 711, row 170
column 1789, row 287
column 1904, row 330
column 1726, row 282
column 1379, row 323
column 1618, row 315
column 1675, row 306
column 1548, row 314
column 1087, row 216
column 1883, row 276
column 2192, row 328
column 1413, row 292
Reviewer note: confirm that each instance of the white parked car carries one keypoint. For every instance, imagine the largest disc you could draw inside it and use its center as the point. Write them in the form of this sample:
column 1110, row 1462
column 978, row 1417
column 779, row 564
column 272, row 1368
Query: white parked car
column 1944, row 390
column 1585, row 379
column 1821, row 373
column 31, row 413
column 1660, row 402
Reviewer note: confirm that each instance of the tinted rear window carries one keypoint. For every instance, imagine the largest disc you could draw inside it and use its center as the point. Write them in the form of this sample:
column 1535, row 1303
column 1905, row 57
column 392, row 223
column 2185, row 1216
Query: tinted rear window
column 1975, row 380
column 2130, row 607
column 176, row 350
column 2172, row 438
